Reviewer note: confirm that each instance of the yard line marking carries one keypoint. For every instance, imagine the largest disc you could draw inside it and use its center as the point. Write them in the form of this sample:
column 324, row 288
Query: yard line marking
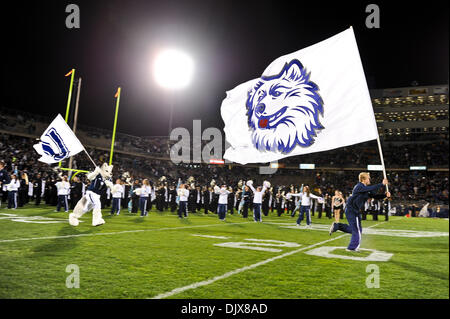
column 237, row 271
column 115, row 233
column 210, row 236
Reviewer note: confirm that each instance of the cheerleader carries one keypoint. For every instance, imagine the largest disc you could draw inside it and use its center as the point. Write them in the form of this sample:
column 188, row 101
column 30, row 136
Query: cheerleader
column 183, row 195
column 117, row 194
column 63, row 190
column 223, row 201
column 338, row 205
column 257, row 199
column 12, row 189
column 305, row 205
column 144, row 193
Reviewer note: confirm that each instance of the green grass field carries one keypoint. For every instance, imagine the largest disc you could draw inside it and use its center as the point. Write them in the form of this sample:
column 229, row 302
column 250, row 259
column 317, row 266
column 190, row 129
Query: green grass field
column 165, row 257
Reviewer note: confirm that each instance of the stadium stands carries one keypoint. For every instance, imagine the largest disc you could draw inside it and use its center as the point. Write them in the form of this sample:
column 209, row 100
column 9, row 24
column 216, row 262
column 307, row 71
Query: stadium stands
column 412, row 122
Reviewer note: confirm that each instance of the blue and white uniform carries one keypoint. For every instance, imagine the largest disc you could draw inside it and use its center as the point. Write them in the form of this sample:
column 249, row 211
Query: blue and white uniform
column 117, row 194
column 143, row 199
column 12, row 189
column 223, row 201
column 63, row 189
column 257, row 202
column 183, row 195
column 305, row 206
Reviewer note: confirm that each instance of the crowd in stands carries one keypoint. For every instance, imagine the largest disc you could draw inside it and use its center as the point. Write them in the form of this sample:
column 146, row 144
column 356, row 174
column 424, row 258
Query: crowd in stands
column 432, row 154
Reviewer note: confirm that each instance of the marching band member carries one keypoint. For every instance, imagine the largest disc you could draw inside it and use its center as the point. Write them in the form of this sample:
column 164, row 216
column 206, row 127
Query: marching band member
column 298, row 202
column 207, row 198
column 266, row 202
column 172, row 198
column 231, row 198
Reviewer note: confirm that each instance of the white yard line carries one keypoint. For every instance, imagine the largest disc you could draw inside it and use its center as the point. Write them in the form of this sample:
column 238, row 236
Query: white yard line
column 117, row 233
column 237, row 271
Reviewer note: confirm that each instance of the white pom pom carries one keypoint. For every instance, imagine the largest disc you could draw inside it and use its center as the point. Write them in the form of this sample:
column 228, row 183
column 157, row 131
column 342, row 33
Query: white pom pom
column 216, row 188
column 266, row 184
column 250, row 182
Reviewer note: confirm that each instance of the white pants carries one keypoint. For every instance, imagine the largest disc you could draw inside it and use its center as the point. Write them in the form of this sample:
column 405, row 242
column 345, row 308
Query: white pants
column 92, row 201
column 89, row 201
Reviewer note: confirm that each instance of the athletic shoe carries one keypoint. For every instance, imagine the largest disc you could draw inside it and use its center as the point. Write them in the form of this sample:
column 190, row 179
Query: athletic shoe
column 298, row 225
column 308, row 226
column 353, row 250
column 332, row 228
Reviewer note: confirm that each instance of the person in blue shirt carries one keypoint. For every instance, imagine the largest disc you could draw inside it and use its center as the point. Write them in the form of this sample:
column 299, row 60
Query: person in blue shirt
column 361, row 193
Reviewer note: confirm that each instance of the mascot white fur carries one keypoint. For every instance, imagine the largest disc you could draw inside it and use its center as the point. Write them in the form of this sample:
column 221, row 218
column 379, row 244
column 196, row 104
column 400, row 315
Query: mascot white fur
column 91, row 200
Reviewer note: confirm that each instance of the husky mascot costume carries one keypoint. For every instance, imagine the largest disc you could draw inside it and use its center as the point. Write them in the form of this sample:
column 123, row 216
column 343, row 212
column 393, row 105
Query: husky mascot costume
column 100, row 180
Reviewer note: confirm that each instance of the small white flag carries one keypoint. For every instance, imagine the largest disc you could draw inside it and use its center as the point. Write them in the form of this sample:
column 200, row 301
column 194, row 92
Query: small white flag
column 57, row 142
column 312, row 100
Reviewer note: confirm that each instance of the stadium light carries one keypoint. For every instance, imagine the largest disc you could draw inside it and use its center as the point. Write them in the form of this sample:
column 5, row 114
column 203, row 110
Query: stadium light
column 173, row 69
column 307, row 166
column 374, row 167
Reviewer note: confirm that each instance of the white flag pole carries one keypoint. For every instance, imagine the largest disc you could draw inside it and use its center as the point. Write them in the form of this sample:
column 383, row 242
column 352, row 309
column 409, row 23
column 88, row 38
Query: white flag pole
column 90, row 157
column 382, row 160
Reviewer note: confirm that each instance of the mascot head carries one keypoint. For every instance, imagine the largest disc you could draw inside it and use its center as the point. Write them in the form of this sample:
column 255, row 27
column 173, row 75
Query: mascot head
column 106, row 170
column 283, row 110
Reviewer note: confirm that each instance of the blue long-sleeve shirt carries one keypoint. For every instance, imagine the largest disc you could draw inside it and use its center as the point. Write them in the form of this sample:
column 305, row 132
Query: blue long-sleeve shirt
column 361, row 194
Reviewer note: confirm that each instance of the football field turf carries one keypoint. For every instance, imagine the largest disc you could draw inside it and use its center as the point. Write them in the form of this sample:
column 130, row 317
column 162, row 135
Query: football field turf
column 162, row 256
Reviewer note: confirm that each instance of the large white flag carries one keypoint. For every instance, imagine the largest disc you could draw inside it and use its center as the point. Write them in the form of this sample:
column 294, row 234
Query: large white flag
column 312, row 100
column 57, row 142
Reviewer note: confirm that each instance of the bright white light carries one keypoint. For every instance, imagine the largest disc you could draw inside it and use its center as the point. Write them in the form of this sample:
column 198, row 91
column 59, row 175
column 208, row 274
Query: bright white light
column 173, row 69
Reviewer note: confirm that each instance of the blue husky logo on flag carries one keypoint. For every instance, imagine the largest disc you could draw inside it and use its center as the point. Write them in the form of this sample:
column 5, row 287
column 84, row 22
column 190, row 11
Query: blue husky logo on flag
column 59, row 150
column 283, row 110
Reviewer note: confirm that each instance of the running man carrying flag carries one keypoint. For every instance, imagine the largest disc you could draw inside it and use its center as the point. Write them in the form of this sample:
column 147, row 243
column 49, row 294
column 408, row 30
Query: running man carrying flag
column 361, row 193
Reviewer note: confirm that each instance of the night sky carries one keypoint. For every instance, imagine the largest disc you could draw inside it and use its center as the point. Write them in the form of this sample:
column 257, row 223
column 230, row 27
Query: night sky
column 230, row 41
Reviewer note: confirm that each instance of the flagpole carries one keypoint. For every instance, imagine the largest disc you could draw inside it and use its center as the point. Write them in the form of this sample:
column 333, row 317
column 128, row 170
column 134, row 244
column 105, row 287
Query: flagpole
column 115, row 125
column 380, row 150
column 382, row 160
column 90, row 157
